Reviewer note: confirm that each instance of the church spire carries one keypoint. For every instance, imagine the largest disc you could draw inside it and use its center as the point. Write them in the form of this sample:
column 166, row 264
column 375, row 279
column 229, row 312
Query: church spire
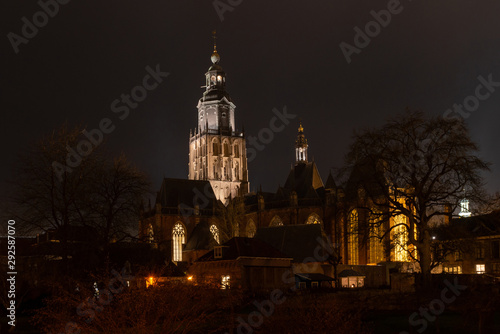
column 301, row 146
column 215, row 56
column 218, row 152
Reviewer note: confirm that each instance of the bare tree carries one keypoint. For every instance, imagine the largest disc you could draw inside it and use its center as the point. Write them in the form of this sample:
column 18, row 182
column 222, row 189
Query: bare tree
column 47, row 198
column 64, row 180
column 118, row 189
column 413, row 168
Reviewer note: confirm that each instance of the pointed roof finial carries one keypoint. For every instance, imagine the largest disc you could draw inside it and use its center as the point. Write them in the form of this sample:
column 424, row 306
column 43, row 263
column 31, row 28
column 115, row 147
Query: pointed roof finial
column 214, row 36
column 301, row 129
column 215, row 56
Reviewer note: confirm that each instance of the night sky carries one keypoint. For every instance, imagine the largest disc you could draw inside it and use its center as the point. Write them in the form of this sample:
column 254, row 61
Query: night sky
column 275, row 54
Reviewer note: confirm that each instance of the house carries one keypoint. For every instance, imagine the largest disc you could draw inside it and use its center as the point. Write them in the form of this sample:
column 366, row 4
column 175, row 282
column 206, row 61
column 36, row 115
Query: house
column 351, row 279
column 306, row 244
column 313, row 280
column 245, row 263
column 476, row 240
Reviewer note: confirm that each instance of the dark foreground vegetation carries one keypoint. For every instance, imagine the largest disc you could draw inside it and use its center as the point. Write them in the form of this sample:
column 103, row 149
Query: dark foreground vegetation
column 191, row 308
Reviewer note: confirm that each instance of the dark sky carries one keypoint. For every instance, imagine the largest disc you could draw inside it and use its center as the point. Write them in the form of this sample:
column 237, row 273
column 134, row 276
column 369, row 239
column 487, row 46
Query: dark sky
column 275, row 54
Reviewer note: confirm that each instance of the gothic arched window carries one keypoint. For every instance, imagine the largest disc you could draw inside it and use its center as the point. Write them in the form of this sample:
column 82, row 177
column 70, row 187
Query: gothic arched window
column 216, row 175
column 150, row 234
column 236, row 150
column 314, row 219
column 215, row 232
column 376, row 249
column 178, row 239
column 276, row 221
column 251, row 229
column 400, row 239
column 215, row 148
column 236, row 171
column 352, row 237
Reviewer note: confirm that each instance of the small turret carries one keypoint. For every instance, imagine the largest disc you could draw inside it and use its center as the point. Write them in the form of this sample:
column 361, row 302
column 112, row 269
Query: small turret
column 301, row 147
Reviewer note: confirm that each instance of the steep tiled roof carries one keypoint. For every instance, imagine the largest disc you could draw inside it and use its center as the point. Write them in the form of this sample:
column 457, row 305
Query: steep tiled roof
column 302, row 178
column 174, row 192
column 245, row 247
column 201, row 237
column 297, row 241
column 475, row 226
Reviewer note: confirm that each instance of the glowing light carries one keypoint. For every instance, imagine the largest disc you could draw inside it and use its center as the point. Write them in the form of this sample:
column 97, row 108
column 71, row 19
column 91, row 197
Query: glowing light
column 190, row 278
column 149, row 281
column 226, row 282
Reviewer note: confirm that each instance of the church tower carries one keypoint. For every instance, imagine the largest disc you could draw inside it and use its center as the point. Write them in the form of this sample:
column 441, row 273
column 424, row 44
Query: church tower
column 217, row 151
column 301, row 147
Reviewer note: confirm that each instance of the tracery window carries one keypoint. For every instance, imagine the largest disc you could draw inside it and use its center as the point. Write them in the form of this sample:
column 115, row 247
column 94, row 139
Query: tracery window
column 352, row 237
column 178, row 239
column 215, row 232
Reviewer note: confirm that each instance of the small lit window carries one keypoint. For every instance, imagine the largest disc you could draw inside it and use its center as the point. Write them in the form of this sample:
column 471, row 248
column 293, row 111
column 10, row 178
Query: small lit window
column 213, row 78
column 96, row 290
column 480, row 269
column 219, row 78
column 225, row 282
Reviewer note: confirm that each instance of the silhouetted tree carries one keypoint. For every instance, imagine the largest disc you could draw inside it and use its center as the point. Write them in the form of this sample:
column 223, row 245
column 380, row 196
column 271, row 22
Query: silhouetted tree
column 65, row 180
column 414, row 167
column 117, row 190
column 46, row 193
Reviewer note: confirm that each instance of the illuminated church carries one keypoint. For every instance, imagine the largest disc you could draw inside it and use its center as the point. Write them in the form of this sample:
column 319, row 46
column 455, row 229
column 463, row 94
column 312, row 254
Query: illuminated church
column 188, row 218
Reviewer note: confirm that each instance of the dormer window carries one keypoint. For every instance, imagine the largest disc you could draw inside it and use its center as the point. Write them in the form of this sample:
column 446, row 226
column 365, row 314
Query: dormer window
column 218, row 252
